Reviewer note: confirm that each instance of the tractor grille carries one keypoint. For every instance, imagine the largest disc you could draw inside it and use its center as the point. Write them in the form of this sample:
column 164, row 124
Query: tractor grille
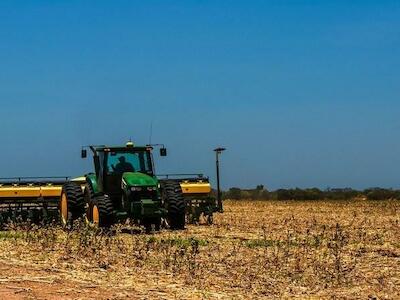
column 139, row 195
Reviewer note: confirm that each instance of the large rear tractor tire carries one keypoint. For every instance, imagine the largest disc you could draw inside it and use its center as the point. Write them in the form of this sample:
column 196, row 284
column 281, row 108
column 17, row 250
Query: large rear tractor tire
column 174, row 203
column 72, row 205
column 100, row 212
column 88, row 193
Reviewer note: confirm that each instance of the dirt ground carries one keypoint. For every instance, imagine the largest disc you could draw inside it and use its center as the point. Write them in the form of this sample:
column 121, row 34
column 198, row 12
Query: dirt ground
column 262, row 249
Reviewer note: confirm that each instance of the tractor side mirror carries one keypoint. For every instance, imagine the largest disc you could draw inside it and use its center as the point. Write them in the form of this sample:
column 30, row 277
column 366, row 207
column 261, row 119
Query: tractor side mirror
column 83, row 153
column 163, row 151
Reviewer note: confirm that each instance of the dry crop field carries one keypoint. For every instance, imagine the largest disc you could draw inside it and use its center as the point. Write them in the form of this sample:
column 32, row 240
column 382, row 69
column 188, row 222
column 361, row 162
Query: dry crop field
column 258, row 249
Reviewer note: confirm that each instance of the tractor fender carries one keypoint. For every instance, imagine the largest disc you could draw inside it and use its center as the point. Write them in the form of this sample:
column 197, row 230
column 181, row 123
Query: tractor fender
column 92, row 180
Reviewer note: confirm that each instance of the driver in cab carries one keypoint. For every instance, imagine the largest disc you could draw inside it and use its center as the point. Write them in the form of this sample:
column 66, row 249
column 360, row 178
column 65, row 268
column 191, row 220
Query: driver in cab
column 123, row 166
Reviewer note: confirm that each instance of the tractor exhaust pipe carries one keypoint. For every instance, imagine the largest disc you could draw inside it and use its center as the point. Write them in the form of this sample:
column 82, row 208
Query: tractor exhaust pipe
column 218, row 151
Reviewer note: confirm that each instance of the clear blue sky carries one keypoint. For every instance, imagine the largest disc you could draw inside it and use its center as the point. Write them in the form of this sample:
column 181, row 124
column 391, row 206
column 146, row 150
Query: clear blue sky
column 302, row 93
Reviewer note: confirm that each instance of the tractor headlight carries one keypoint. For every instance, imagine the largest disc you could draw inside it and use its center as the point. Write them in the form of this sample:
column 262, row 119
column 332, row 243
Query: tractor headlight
column 151, row 188
column 136, row 189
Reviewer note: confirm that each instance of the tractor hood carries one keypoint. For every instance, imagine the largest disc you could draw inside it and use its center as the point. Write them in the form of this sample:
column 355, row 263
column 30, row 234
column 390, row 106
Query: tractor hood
column 138, row 179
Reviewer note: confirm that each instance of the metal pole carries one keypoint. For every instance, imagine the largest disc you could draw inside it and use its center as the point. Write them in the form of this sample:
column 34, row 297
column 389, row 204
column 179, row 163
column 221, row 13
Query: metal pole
column 219, row 196
column 218, row 151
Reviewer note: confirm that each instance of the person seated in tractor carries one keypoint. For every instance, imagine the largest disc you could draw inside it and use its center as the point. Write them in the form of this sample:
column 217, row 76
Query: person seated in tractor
column 123, row 166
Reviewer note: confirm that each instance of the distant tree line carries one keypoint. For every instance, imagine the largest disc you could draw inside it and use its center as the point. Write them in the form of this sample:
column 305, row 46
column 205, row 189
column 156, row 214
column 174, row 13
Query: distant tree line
column 261, row 193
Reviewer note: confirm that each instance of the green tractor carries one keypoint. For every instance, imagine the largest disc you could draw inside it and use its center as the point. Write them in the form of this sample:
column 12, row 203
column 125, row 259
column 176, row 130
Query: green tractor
column 123, row 187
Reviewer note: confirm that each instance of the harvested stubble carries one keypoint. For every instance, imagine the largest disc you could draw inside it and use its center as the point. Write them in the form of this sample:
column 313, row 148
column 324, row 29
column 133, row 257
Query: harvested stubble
column 255, row 249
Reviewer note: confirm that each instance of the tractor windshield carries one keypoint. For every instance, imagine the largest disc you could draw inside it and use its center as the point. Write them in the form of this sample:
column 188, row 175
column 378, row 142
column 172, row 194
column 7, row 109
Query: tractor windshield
column 120, row 162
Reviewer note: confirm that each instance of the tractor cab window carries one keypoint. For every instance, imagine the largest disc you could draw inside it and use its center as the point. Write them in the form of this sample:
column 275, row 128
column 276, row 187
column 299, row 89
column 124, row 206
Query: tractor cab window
column 120, row 162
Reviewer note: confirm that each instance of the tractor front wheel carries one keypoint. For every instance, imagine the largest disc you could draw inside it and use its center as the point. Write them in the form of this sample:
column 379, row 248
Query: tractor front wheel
column 72, row 205
column 175, row 204
column 100, row 211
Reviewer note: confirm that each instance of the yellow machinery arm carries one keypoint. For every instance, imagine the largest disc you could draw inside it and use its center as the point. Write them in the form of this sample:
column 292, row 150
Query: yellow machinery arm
column 29, row 191
column 195, row 187
column 30, row 198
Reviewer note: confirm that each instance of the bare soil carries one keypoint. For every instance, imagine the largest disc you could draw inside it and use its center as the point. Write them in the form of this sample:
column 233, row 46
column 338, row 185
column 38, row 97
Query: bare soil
column 263, row 249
